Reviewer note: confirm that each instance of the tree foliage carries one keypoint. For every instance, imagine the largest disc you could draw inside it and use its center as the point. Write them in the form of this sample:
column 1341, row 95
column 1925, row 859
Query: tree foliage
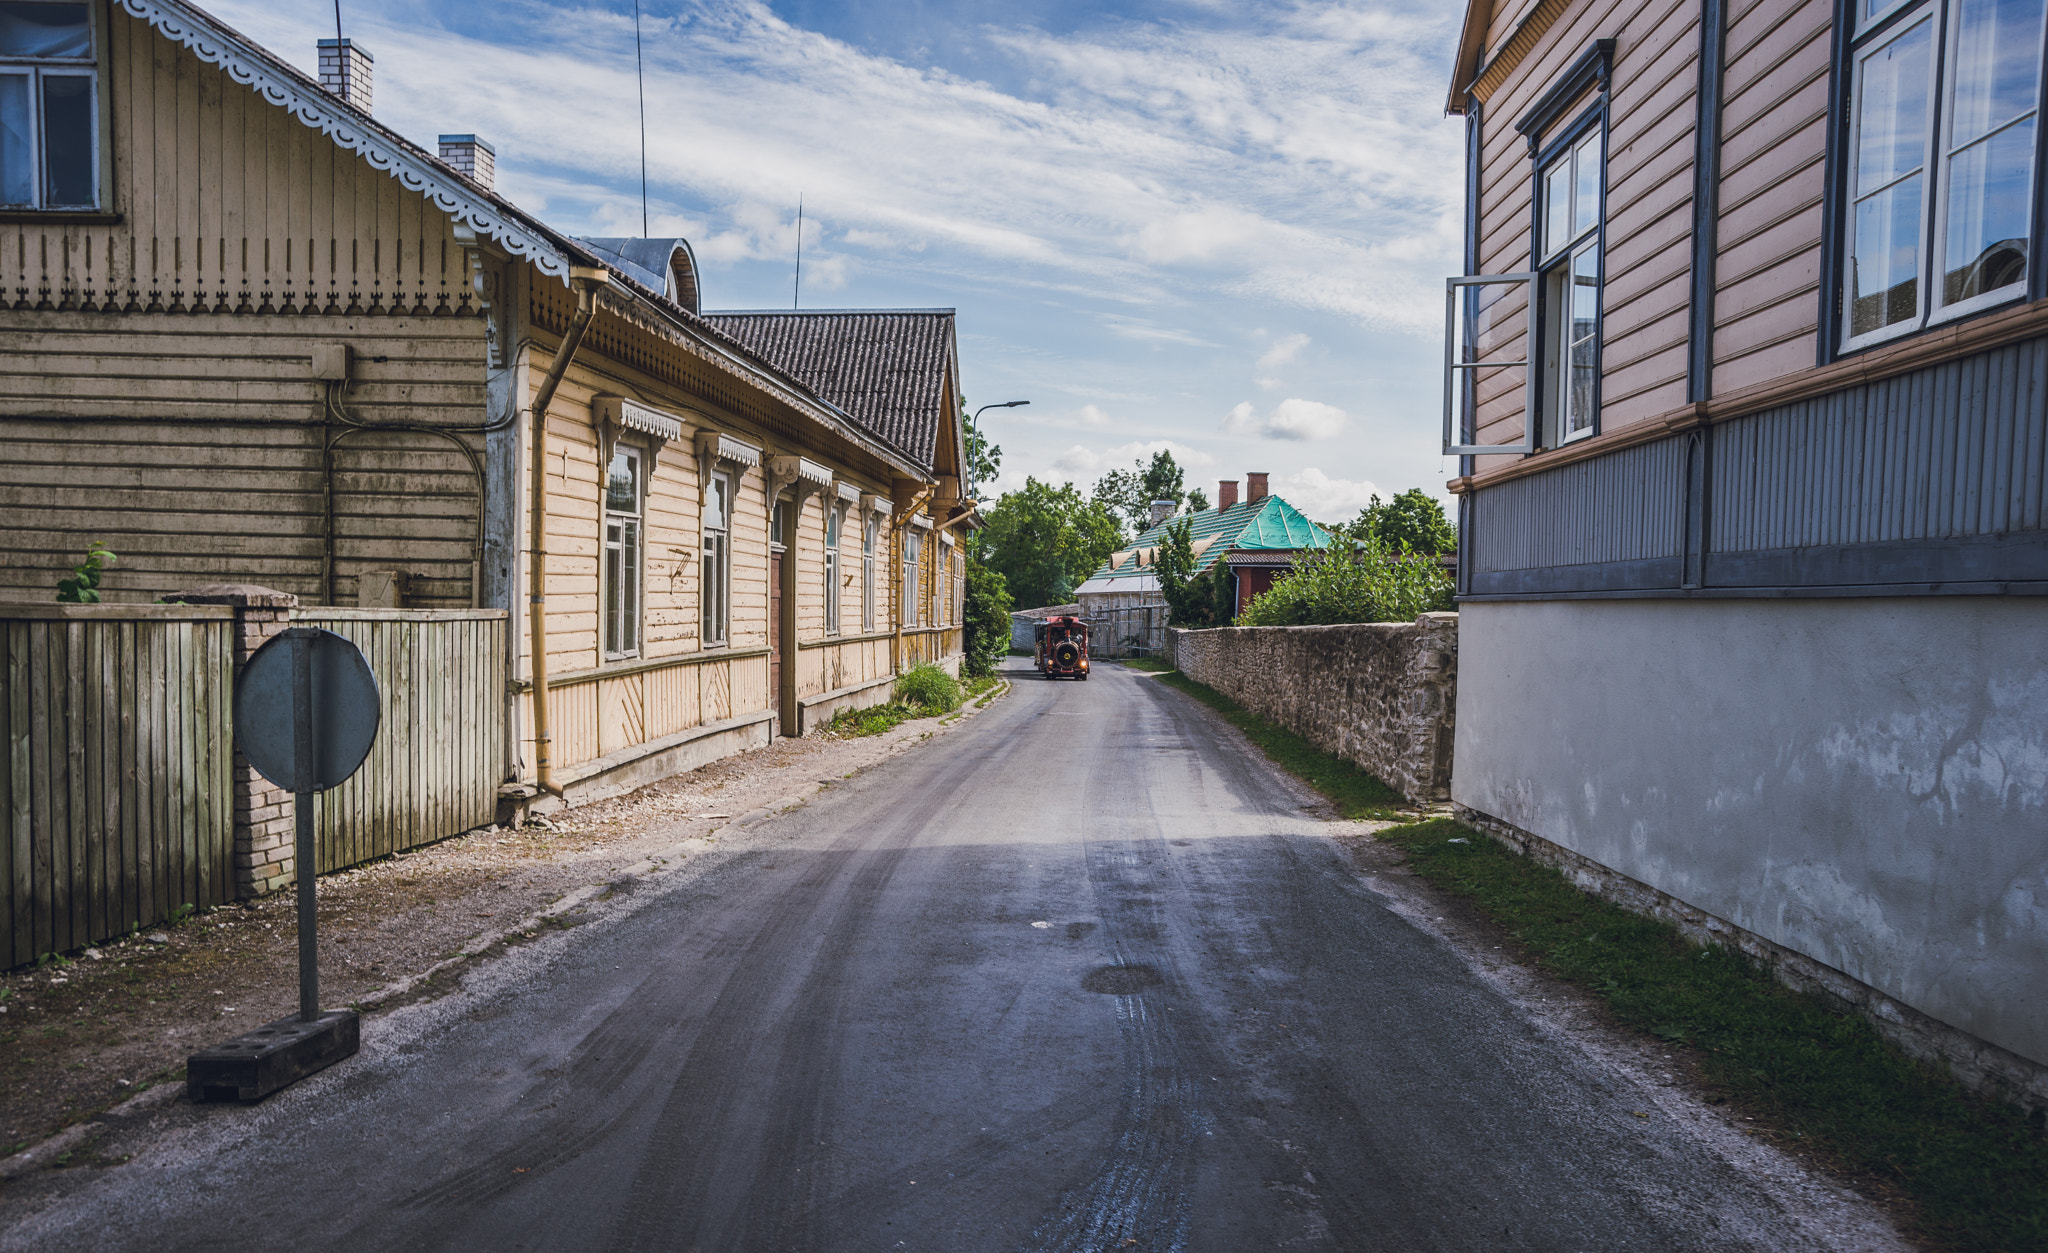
column 1128, row 494
column 988, row 618
column 1353, row 580
column 1045, row 541
column 1192, row 600
column 1411, row 522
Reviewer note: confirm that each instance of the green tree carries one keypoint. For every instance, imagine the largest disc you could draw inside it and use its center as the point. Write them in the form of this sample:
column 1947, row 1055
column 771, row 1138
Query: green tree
column 1198, row 500
column 1192, row 600
column 988, row 618
column 1045, row 541
column 1353, row 580
column 1128, row 494
column 1411, row 522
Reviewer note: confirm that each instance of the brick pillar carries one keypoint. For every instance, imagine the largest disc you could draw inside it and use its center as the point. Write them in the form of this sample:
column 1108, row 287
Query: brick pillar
column 263, row 813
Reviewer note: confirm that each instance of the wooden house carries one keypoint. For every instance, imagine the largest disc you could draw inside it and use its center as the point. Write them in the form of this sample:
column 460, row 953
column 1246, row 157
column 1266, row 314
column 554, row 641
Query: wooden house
column 253, row 335
column 1748, row 372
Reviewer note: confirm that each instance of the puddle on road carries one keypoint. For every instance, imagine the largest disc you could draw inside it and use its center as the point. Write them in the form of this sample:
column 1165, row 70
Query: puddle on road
column 1120, row 980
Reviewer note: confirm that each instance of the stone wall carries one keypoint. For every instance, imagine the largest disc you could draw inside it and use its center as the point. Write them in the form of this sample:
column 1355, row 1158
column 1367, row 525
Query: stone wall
column 1381, row 694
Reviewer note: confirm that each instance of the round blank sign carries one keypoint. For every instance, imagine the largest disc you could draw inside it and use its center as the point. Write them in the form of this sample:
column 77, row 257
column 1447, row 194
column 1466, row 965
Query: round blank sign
column 344, row 704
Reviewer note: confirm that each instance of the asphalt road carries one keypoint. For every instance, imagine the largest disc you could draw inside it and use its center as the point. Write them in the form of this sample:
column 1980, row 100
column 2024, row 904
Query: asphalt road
column 1081, row 976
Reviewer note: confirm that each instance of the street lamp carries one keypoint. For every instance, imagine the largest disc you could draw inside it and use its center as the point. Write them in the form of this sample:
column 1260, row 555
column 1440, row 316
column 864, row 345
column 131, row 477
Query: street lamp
column 974, row 453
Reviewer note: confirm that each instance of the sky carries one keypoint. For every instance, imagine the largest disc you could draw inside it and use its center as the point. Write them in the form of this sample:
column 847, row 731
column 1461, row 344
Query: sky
column 1216, row 227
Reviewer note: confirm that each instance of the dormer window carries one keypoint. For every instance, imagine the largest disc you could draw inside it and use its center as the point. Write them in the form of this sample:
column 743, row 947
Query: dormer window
column 49, row 140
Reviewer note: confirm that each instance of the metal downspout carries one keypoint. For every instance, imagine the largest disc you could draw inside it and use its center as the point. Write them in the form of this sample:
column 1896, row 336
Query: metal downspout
column 586, row 280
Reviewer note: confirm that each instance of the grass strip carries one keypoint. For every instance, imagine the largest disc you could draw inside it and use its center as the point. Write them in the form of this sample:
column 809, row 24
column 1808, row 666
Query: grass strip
column 1974, row 1172
column 1153, row 665
column 850, row 724
column 1355, row 792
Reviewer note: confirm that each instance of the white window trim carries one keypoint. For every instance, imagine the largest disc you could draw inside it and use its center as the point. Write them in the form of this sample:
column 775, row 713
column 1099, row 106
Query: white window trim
column 835, row 530
column 1558, row 268
column 1934, row 175
column 717, row 599
column 606, row 587
column 87, row 67
column 870, row 539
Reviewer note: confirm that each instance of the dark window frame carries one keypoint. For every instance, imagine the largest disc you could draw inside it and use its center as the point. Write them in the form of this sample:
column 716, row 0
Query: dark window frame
column 1559, row 143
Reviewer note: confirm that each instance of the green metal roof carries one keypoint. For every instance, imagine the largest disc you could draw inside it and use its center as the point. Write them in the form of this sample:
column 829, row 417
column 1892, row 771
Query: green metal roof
column 1269, row 524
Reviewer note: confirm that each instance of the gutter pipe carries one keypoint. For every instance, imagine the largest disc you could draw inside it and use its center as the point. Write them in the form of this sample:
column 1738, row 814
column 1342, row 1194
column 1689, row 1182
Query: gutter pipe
column 586, row 279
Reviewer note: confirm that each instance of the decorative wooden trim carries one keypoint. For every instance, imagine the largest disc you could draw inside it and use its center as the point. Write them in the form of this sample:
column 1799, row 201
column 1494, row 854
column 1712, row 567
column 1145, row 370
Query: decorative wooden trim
column 1958, row 339
column 250, row 65
column 1519, row 43
column 828, row 641
column 627, row 669
column 1594, row 66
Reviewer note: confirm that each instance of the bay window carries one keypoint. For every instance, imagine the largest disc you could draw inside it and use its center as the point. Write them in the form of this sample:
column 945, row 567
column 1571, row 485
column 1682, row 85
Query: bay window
column 1943, row 106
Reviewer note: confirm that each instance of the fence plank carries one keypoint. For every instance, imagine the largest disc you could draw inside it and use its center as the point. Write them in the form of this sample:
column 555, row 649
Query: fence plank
column 20, row 807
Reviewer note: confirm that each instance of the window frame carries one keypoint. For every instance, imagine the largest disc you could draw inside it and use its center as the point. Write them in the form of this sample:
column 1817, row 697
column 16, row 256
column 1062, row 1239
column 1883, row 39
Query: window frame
column 611, row 615
column 869, row 534
column 714, row 586
column 835, row 535
column 1858, row 37
column 912, row 595
column 1550, row 363
column 89, row 67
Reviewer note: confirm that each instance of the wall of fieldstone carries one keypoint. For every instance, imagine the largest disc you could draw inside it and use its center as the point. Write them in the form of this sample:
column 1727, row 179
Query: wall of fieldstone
column 1380, row 694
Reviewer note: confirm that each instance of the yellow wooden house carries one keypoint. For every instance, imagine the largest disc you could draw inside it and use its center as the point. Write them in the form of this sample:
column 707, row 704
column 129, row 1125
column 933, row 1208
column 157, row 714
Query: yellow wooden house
column 253, row 335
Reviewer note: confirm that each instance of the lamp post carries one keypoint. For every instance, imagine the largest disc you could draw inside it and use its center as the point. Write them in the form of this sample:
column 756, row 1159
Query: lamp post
column 974, row 453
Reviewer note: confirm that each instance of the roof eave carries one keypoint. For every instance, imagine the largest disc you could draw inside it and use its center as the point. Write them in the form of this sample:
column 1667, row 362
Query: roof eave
column 1471, row 46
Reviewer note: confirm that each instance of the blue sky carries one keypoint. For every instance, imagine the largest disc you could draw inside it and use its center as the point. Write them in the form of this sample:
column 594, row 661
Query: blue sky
column 1216, row 227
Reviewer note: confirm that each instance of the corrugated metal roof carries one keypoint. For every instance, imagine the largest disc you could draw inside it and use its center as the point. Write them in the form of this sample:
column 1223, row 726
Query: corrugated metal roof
column 886, row 368
column 1268, row 524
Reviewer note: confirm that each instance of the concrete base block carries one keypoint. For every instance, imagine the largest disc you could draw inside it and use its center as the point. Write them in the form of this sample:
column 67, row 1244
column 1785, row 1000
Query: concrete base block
column 251, row 1067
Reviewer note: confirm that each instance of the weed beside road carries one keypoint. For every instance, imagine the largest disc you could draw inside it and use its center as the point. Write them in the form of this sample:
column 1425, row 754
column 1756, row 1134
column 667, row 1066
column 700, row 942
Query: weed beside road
column 1974, row 1172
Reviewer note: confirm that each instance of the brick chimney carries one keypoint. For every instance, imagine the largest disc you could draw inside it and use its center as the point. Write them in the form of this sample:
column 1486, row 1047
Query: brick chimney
column 472, row 158
column 1226, row 493
column 1162, row 510
column 345, row 71
column 1254, row 488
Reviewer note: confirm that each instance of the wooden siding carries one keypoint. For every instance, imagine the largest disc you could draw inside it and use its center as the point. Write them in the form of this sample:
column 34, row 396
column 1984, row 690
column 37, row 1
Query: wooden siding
column 228, row 203
column 115, row 807
column 439, row 755
column 1773, row 179
column 1651, row 118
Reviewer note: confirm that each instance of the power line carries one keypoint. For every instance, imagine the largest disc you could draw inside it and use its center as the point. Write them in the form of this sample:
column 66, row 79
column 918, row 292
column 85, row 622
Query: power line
column 640, row 69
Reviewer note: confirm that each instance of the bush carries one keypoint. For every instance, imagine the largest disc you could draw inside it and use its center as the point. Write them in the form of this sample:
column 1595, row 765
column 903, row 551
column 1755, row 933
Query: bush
column 851, row 723
column 988, row 619
column 1353, row 581
column 930, row 688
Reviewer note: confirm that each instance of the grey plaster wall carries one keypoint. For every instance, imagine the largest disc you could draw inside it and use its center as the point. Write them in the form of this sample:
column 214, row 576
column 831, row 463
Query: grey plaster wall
column 1863, row 781
column 1381, row 694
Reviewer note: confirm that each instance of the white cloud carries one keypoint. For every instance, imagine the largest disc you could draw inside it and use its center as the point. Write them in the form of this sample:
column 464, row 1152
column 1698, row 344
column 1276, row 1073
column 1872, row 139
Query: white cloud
column 1293, row 418
column 1324, row 498
column 1092, row 416
column 1081, row 460
column 1271, row 385
column 1284, row 350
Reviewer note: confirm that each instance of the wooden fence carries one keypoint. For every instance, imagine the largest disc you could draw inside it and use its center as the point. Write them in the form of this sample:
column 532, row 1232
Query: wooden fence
column 440, row 750
column 114, row 798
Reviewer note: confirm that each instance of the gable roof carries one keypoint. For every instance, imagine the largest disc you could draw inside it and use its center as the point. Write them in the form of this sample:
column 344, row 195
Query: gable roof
column 1266, row 525
column 888, row 369
column 650, row 290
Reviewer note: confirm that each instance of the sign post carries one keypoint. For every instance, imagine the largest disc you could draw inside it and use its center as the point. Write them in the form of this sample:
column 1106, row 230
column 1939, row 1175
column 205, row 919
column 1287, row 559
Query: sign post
column 306, row 713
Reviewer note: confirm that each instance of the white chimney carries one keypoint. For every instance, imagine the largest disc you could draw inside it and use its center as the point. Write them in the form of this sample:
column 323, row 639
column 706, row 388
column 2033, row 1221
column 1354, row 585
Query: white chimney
column 472, row 158
column 345, row 71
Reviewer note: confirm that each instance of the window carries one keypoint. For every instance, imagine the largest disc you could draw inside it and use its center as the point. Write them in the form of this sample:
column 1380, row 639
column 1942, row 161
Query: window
column 1944, row 96
column 913, row 587
column 1568, row 263
column 715, row 589
column 49, row 140
column 622, row 494
column 832, row 570
column 867, row 574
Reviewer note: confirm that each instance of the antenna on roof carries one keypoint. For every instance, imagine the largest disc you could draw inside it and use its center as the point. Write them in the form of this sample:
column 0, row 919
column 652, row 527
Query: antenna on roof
column 799, row 289
column 640, row 69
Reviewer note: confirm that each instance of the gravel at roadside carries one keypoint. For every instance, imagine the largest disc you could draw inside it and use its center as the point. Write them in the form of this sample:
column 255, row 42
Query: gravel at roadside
column 80, row 1035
